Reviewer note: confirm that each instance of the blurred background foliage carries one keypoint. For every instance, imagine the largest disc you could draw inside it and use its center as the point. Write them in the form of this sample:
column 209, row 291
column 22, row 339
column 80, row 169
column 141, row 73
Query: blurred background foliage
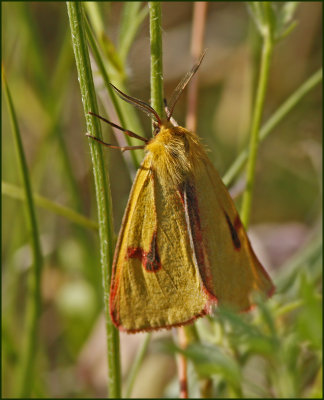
column 274, row 351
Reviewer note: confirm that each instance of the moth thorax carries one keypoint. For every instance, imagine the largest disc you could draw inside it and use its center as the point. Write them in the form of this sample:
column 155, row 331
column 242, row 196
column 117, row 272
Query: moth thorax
column 175, row 154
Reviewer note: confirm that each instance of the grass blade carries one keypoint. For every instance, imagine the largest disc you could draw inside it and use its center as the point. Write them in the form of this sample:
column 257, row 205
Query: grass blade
column 75, row 12
column 156, row 58
column 33, row 308
column 16, row 192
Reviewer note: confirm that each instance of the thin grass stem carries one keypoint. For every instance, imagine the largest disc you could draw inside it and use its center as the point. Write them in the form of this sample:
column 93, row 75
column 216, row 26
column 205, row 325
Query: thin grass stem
column 156, row 58
column 33, row 308
column 16, row 192
column 137, row 365
column 256, row 120
column 182, row 364
column 197, row 43
column 75, row 12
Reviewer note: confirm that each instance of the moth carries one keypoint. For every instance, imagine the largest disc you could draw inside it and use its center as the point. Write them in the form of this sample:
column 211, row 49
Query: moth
column 182, row 247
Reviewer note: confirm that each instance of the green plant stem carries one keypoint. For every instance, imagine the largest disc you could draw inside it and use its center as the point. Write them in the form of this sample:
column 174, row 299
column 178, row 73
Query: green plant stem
column 33, row 308
column 256, row 119
column 273, row 121
column 75, row 12
column 137, row 364
column 156, row 58
column 16, row 192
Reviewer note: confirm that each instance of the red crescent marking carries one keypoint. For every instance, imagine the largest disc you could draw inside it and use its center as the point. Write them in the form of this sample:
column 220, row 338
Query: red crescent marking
column 150, row 259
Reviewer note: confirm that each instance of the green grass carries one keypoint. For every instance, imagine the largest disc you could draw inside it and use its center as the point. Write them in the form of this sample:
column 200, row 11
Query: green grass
column 63, row 349
column 103, row 195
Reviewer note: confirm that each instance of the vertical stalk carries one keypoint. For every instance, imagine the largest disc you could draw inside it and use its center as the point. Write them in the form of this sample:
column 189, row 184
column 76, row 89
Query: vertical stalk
column 33, row 308
column 182, row 364
column 137, row 363
column 256, row 119
column 197, row 41
column 156, row 57
column 75, row 12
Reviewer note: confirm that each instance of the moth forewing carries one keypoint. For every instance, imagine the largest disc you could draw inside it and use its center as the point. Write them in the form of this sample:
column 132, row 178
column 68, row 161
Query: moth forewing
column 155, row 283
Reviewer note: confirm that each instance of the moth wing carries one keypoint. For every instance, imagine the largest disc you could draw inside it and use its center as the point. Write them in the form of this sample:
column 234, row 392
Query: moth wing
column 229, row 268
column 155, row 282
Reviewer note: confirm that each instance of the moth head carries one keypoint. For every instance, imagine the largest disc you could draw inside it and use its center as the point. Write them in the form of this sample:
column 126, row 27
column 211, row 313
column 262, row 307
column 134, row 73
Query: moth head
column 156, row 128
column 158, row 122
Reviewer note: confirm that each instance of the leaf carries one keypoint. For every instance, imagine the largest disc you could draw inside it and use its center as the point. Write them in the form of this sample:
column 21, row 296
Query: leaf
column 284, row 19
column 310, row 321
column 210, row 360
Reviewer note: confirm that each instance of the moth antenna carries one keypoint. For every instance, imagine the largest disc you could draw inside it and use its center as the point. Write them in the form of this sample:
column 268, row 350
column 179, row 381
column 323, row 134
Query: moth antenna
column 126, row 131
column 183, row 83
column 141, row 105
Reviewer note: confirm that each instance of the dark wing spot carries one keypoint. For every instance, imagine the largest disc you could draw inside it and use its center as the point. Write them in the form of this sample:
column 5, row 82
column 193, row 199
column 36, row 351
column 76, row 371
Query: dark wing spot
column 189, row 200
column 152, row 261
column 235, row 238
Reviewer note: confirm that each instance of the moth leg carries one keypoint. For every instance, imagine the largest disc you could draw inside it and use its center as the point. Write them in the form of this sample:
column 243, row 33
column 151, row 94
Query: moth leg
column 126, row 131
column 114, row 147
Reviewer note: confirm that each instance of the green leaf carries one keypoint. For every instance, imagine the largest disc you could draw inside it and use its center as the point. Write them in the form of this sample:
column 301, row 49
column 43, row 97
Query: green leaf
column 132, row 18
column 310, row 319
column 25, row 379
column 111, row 53
column 256, row 11
column 272, row 19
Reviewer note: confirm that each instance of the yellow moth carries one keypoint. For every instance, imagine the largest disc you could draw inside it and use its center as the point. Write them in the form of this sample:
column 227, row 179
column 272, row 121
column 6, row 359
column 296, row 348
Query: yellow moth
column 182, row 247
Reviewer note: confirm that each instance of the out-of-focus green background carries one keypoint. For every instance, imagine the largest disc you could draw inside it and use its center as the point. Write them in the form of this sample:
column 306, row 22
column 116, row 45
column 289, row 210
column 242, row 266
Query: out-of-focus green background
column 285, row 220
